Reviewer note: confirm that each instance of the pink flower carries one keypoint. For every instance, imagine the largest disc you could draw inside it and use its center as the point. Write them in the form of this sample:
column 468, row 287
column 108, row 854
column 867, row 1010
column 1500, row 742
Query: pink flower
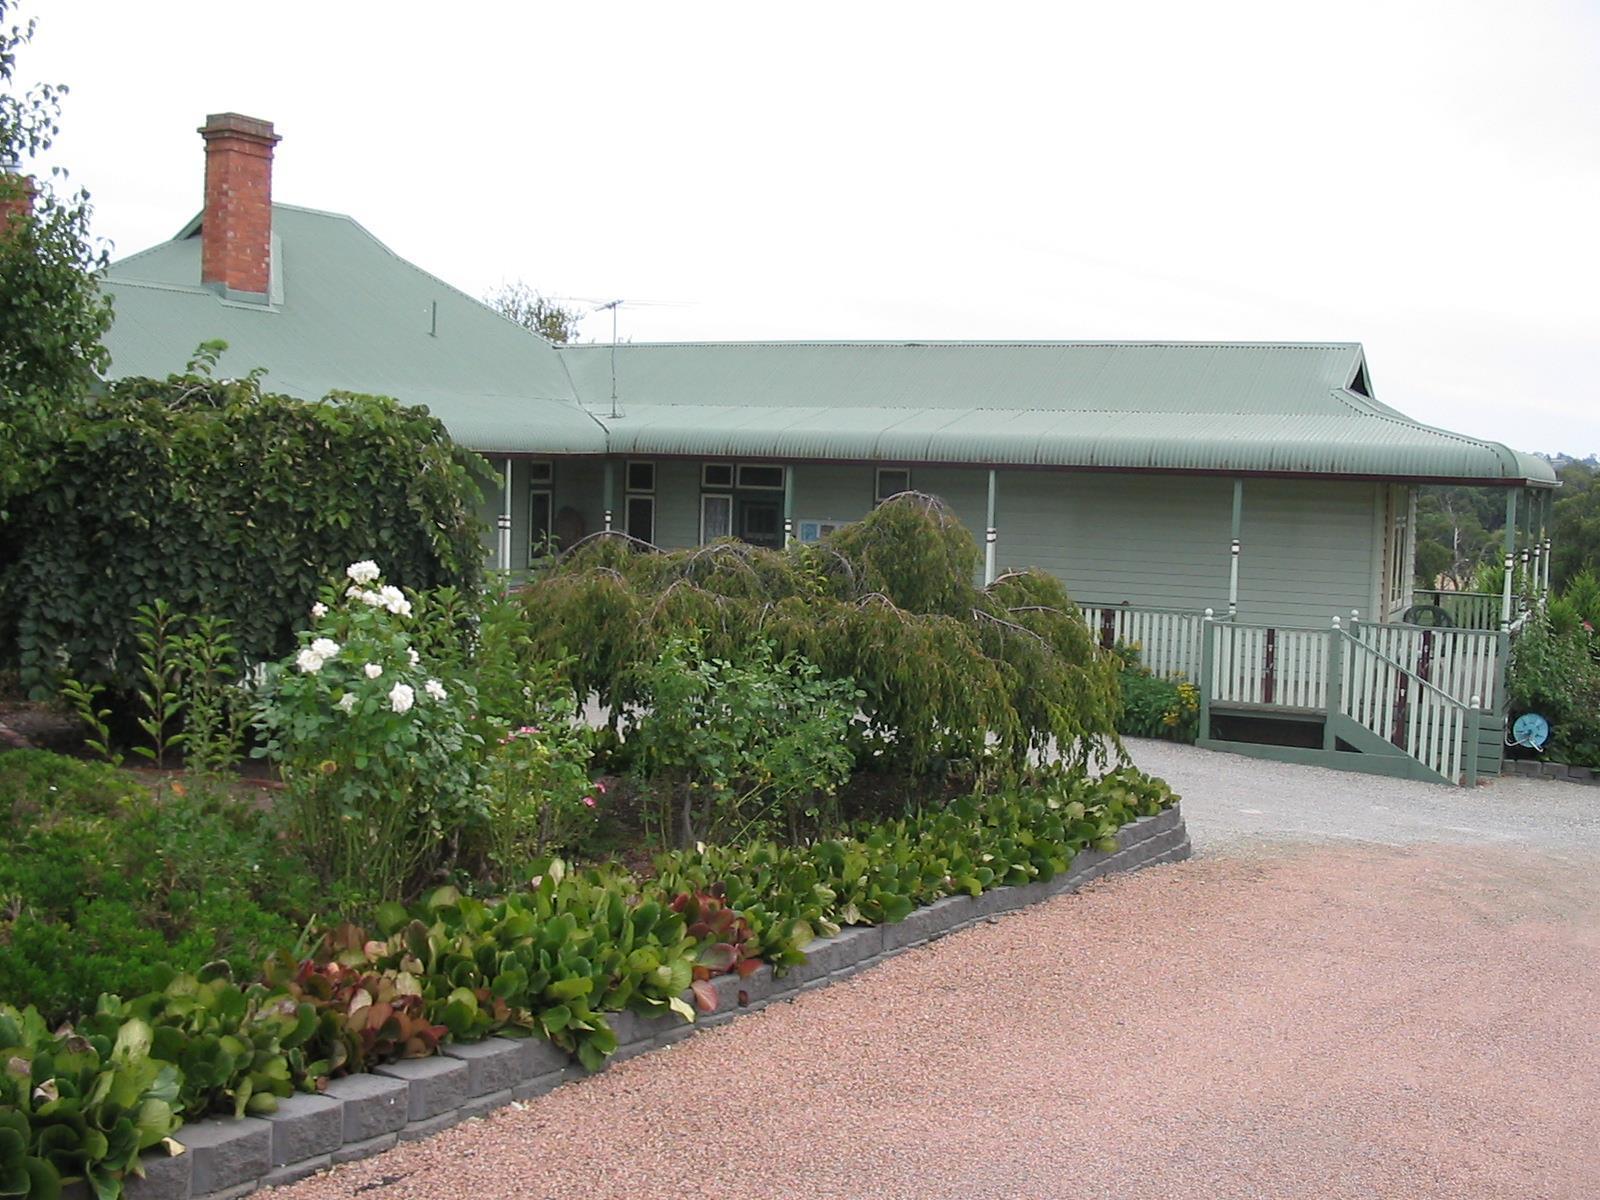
column 589, row 800
column 600, row 786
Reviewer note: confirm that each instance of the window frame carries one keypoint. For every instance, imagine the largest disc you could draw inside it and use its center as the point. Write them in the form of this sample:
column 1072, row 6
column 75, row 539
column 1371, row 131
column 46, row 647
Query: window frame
column 631, row 488
column 878, row 495
column 534, row 493
column 629, row 501
column 709, row 485
column 741, row 485
column 727, row 498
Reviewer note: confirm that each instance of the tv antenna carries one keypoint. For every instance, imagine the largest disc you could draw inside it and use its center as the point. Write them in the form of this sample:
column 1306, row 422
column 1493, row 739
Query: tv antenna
column 613, row 305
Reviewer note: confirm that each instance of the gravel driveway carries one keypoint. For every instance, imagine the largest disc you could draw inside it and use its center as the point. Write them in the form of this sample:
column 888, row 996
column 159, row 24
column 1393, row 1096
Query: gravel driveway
column 1358, row 988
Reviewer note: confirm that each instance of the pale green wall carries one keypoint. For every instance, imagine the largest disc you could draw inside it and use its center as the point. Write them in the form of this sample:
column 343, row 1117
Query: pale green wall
column 1309, row 548
column 1307, row 551
column 1156, row 540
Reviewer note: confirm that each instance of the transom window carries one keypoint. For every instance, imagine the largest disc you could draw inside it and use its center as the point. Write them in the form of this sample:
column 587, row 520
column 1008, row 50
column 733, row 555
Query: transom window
column 641, row 477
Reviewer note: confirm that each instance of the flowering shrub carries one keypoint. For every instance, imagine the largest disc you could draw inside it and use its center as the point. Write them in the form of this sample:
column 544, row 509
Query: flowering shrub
column 540, row 799
column 1154, row 707
column 374, row 747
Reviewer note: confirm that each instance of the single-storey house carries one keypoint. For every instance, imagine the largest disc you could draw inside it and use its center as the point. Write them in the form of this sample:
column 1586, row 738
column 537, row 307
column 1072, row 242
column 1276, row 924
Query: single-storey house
column 1221, row 503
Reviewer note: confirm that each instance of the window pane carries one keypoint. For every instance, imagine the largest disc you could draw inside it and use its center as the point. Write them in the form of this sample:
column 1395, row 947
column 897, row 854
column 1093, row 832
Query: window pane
column 539, row 472
column 641, row 477
column 642, row 518
column 718, row 475
column 716, row 517
column 539, row 525
column 893, row 481
column 760, row 477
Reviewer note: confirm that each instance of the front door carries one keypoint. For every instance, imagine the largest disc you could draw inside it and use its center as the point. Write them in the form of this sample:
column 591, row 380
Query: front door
column 760, row 522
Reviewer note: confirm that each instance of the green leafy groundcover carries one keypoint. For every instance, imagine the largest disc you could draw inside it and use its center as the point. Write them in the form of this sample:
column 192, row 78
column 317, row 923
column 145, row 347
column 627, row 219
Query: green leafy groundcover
column 84, row 1101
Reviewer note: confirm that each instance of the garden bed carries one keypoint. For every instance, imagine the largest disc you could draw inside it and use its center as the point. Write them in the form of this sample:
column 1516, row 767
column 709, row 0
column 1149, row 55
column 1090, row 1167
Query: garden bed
column 362, row 1115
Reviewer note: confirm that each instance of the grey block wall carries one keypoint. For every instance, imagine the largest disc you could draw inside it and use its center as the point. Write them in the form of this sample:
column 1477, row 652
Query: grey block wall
column 362, row 1115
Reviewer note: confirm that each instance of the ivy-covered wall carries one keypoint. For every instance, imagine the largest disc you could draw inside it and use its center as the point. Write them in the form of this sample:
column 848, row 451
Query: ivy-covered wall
column 221, row 498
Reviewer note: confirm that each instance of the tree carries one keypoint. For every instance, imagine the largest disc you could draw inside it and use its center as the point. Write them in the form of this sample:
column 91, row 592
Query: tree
column 54, row 313
column 1453, row 534
column 528, row 308
column 1575, row 541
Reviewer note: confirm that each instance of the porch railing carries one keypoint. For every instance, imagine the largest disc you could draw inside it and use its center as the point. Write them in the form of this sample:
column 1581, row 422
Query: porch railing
column 1468, row 610
column 1396, row 704
column 1169, row 639
column 1269, row 666
column 1466, row 664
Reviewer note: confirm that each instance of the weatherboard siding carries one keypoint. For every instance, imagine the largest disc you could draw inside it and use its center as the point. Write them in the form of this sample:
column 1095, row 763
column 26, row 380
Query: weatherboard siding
column 1307, row 551
column 1152, row 540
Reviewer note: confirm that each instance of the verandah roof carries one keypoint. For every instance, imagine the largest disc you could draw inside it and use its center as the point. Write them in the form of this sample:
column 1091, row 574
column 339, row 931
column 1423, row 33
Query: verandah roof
column 1233, row 407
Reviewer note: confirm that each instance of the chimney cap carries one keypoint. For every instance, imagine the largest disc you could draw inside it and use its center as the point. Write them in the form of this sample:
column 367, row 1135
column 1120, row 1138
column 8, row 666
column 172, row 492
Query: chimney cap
column 238, row 125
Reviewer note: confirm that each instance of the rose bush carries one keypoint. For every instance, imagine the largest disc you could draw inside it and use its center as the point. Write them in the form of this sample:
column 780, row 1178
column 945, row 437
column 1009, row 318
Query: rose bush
column 383, row 773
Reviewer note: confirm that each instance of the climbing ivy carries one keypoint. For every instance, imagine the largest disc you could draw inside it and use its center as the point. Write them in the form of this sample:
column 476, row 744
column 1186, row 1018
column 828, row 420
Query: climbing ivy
column 216, row 496
column 956, row 679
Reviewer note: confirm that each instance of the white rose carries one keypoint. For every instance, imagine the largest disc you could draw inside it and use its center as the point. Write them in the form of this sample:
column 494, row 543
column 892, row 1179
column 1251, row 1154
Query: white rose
column 319, row 610
column 435, row 690
column 370, row 598
column 325, row 648
column 364, row 571
column 347, row 702
column 372, row 670
column 394, row 600
column 401, row 698
column 309, row 661
column 413, row 656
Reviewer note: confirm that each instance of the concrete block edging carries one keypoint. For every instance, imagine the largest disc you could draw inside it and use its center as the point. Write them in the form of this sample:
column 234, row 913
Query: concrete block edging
column 359, row 1116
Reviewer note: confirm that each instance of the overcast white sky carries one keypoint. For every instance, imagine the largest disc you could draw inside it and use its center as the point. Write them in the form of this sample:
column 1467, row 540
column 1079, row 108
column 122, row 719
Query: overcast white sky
column 1420, row 177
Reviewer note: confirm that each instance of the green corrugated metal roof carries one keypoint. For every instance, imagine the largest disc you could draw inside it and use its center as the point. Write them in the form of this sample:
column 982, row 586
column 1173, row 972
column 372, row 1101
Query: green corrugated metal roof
column 347, row 313
column 1166, row 406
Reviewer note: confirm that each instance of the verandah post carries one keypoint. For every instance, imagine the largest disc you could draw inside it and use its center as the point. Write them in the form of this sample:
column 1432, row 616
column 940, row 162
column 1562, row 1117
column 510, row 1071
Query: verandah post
column 1233, row 568
column 504, row 520
column 1335, row 685
column 610, row 486
column 991, row 536
column 1208, row 653
column 1511, row 557
column 788, row 505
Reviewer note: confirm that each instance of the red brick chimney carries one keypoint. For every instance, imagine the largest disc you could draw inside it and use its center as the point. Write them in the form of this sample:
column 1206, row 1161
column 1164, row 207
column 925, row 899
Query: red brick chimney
column 236, row 229
column 16, row 197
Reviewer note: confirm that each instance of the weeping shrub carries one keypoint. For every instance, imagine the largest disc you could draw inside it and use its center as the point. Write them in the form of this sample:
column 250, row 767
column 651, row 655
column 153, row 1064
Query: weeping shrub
column 954, row 678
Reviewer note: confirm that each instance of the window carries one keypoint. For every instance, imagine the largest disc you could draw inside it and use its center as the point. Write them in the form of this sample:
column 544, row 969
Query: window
column 540, row 542
column 891, row 482
column 765, row 478
column 815, row 531
column 716, row 516
column 716, row 475
column 1397, row 553
column 641, row 515
column 540, row 471
column 641, row 477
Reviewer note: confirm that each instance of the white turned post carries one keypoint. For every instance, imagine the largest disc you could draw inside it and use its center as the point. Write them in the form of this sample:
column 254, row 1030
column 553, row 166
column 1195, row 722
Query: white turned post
column 504, row 520
column 1233, row 565
column 991, row 537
